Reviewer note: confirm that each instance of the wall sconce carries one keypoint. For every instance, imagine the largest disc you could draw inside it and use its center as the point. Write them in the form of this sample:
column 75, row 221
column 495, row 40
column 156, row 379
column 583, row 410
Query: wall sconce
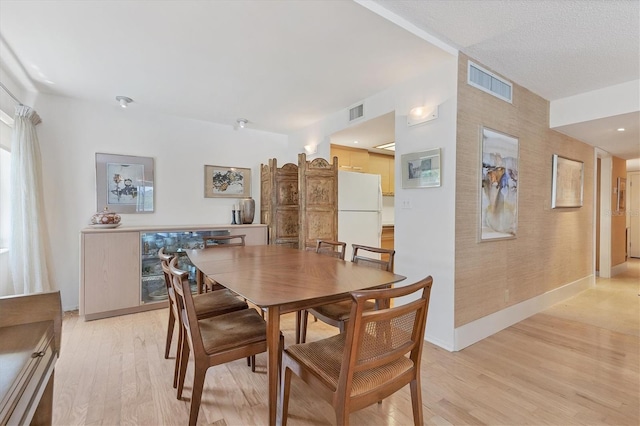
column 124, row 101
column 310, row 149
column 422, row 114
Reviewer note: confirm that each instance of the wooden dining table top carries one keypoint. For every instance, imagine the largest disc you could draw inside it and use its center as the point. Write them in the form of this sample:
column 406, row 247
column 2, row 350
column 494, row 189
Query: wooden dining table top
column 293, row 279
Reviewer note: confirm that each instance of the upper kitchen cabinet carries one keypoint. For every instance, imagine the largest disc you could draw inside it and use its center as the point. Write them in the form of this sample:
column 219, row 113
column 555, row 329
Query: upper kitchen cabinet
column 383, row 165
column 351, row 159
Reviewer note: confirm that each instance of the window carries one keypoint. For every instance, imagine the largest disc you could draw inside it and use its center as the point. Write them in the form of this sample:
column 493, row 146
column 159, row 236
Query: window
column 5, row 175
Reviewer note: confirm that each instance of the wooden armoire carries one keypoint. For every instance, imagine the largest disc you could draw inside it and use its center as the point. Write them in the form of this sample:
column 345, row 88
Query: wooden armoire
column 299, row 204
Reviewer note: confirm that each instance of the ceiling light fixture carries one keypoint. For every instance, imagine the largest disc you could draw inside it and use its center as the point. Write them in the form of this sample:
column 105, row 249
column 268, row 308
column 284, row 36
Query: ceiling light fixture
column 621, row 129
column 124, row 101
column 242, row 122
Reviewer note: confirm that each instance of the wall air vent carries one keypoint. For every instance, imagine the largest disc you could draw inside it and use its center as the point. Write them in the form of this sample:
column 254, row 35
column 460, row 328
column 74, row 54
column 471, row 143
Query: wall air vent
column 487, row 81
column 356, row 112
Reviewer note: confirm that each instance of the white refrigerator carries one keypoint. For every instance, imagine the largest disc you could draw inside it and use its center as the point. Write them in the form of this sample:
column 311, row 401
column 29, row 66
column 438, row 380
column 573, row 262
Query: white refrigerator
column 359, row 209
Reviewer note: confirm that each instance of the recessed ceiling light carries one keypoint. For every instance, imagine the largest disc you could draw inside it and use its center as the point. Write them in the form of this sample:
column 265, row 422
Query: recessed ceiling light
column 621, row 129
column 355, row 141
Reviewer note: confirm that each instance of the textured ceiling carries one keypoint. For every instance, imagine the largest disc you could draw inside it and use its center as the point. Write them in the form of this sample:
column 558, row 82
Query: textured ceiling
column 555, row 48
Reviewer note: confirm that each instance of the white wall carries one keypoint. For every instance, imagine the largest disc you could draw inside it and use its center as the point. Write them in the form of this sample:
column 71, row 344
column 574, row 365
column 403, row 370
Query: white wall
column 425, row 233
column 72, row 131
column 606, row 102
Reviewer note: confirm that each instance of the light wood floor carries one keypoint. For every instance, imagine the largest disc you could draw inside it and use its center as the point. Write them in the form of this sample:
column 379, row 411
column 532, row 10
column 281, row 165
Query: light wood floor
column 576, row 363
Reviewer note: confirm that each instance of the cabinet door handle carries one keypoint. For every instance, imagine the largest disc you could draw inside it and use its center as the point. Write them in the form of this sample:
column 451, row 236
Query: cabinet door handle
column 37, row 354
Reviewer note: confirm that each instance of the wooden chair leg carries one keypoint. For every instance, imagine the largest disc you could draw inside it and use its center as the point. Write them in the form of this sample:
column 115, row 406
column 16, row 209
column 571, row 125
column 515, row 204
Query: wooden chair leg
column 342, row 416
column 416, row 400
column 298, row 321
column 284, row 395
column 176, row 369
column 184, row 361
column 303, row 326
column 170, row 325
column 253, row 363
column 196, row 394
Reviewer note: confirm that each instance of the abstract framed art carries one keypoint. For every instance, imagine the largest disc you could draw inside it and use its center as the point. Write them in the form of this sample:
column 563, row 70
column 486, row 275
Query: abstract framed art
column 499, row 185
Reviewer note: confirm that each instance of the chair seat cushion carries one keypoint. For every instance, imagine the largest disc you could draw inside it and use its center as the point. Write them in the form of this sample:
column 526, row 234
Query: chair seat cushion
column 339, row 311
column 324, row 359
column 217, row 303
column 239, row 328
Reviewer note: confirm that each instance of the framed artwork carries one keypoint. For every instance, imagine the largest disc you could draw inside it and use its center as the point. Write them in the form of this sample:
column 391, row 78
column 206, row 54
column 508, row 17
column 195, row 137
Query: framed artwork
column 499, row 185
column 567, row 182
column 421, row 169
column 124, row 183
column 221, row 181
column 622, row 193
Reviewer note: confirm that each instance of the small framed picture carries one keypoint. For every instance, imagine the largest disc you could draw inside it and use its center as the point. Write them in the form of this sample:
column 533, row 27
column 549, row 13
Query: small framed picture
column 231, row 182
column 421, row 169
column 124, row 183
column 622, row 193
column 567, row 182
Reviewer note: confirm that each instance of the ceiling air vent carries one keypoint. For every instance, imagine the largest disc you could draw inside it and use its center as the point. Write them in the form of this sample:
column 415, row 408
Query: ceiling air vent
column 489, row 82
column 356, row 113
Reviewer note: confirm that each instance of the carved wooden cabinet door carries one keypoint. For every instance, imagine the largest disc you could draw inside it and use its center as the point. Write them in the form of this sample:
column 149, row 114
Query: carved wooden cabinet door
column 318, row 186
column 279, row 206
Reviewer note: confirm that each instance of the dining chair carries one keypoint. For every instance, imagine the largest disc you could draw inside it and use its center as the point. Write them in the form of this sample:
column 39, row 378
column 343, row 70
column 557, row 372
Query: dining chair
column 218, row 241
column 329, row 248
column 337, row 313
column 377, row 356
column 213, row 341
column 206, row 306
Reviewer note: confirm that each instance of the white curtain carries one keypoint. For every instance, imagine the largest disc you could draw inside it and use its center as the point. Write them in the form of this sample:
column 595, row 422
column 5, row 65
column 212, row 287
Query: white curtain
column 28, row 238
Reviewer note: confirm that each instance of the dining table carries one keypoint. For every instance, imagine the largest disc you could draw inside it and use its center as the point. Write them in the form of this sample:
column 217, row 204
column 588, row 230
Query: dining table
column 279, row 280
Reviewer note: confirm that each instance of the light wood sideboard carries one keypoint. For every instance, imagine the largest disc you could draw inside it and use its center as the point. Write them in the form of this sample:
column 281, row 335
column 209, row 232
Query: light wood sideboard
column 111, row 265
column 30, row 335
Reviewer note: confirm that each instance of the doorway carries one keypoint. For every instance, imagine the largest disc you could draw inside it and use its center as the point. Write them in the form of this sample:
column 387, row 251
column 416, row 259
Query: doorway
column 633, row 214
column 602, row 254
column 358, row 149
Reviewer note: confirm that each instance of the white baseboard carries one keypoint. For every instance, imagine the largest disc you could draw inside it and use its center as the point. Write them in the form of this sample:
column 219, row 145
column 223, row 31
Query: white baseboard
column 477, row 330
column 618, row 269
column 439, row 342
